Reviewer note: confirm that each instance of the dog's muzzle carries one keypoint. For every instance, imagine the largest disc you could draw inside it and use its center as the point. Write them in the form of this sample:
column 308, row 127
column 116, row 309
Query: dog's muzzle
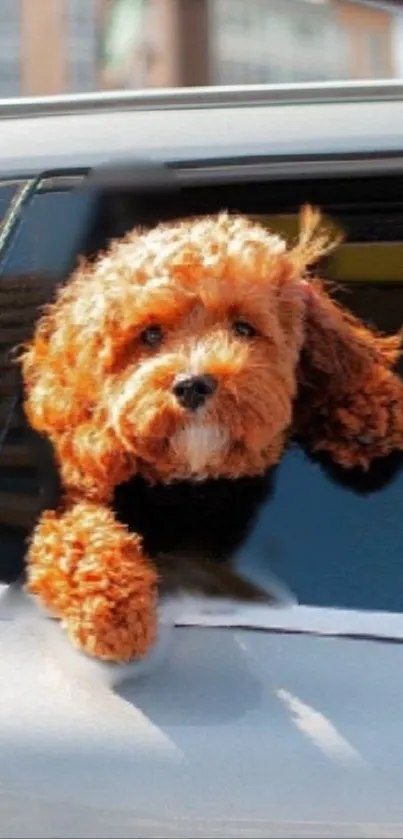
column 193, row 391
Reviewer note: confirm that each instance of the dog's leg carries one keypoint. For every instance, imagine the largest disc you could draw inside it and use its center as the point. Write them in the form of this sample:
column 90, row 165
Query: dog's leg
column 87, row 570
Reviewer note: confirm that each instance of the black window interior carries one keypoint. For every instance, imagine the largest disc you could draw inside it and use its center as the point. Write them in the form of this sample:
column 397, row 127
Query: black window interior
column 335, row 538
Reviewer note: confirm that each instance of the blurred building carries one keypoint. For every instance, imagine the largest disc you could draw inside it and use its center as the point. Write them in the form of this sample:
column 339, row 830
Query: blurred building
column 302, row 40
column 196, row 42
column 275, row 41
column 49, row 46
column 61, row 46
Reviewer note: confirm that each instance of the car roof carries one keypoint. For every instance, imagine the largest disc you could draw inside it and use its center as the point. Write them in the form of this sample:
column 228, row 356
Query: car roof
column 201, row 125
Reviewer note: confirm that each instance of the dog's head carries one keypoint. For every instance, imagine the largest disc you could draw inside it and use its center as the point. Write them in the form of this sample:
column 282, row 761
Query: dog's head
column 201, row 370
column 175, row 354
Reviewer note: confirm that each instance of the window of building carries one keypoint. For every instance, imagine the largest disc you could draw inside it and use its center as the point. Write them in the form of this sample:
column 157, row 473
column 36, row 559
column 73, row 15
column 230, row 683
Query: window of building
column 82, row 44
column 81, row 12
column 10, row 9
column 81, row 76
column 10, row 78
column 376, row 54
column 308, row 28
column 10, row 48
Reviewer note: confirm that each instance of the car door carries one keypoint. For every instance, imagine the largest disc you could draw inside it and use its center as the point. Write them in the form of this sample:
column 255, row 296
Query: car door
column 278, row 725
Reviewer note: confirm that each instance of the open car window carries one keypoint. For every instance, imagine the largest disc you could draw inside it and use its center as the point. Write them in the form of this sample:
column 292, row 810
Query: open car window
column 332, row 538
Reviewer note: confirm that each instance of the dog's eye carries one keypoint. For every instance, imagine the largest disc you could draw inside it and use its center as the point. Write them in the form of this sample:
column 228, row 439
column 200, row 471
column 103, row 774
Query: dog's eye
column 151, row 336
column 244, row 329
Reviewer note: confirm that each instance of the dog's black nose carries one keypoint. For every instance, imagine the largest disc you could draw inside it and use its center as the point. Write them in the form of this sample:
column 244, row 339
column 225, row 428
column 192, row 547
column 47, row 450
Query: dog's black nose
column 192, row 391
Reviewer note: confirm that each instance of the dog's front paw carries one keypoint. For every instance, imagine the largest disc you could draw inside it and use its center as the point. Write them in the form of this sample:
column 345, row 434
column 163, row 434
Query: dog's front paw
column 117, row 631
column 87, row 570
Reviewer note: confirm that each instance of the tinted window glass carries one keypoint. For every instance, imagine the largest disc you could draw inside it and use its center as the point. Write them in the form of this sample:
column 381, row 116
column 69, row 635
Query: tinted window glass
column 335, row 541
column 48, row 234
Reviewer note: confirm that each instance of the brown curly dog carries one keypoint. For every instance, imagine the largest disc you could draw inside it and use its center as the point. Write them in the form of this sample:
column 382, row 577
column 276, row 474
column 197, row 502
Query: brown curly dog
column 190, row 351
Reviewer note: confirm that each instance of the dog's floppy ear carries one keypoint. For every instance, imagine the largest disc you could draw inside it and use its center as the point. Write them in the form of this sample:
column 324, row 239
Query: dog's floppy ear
column 62, row 370
column 350, row 401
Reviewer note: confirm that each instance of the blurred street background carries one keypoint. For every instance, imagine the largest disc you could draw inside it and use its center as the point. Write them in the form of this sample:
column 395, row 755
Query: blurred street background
column 77, row 46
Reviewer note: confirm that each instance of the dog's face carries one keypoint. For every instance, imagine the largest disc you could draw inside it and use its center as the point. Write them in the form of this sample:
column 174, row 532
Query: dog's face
column 205, row 329
column 174, row 355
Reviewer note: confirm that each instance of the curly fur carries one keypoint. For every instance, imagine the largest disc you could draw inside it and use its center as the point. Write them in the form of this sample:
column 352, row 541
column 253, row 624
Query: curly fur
column 106, row 401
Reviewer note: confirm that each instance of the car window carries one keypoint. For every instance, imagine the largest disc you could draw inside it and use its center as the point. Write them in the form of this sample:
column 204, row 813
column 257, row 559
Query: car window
column 334, row 538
